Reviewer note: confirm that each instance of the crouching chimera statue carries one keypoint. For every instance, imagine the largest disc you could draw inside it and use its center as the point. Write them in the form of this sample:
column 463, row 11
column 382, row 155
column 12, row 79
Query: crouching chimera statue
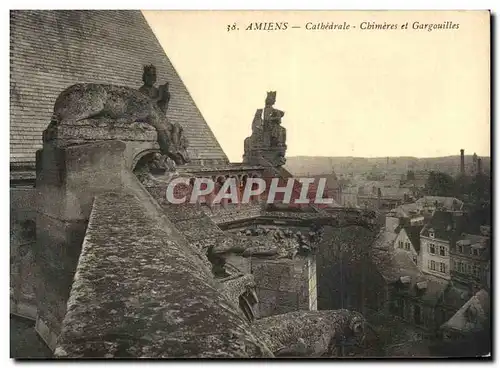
column 124, row 105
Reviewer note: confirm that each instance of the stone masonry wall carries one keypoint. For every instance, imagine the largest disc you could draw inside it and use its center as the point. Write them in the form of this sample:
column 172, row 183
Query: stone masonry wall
column 22, row 260
column 282, row 285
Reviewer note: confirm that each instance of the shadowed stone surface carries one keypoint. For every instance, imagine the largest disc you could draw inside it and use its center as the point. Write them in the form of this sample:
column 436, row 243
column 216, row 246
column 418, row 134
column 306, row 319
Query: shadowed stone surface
column 138, row 294
column 22, row 260
column 24, row 341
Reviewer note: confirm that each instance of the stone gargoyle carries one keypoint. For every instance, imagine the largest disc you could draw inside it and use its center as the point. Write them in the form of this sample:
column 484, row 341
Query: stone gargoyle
column 122, row 105
column 238, row 287
column 240, row 290
column 310, row 333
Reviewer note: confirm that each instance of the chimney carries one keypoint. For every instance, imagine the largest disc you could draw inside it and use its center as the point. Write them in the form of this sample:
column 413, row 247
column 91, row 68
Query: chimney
column 462, row 162
column 479, row 166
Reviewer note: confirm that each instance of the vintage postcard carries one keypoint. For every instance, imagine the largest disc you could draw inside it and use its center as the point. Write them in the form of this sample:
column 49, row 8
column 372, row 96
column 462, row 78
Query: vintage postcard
column 250, row 184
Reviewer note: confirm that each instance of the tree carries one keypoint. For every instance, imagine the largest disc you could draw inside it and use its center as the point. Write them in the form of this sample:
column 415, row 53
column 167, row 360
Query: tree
column 480, row 189
column 440, row 184
column 344, row 266
column 477, row 191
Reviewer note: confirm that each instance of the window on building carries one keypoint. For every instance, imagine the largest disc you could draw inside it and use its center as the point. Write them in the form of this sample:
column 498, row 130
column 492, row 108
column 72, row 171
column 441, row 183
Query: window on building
column 441, row 250
column 460, row 248
column 432, row 248
column 407, row 246
column 477, row 270
column 402, row 308
column 431, row 234
column 442, row 267
column 400, row 244
column 460, row 267
column 432, row 265
column 474, row 251
column 468, row 268
column 415, row 259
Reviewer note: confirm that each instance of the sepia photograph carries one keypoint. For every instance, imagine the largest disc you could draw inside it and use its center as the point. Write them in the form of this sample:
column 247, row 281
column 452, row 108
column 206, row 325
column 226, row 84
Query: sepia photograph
column 243, row 184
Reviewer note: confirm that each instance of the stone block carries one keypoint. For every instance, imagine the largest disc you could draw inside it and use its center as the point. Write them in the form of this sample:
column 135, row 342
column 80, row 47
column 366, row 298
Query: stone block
column 64, row 172
column 282, row 274
column 69, row 178
column 285, row 284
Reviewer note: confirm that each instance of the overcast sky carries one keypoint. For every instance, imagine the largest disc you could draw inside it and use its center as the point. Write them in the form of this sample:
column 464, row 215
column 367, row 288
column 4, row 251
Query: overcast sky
column 344, row 92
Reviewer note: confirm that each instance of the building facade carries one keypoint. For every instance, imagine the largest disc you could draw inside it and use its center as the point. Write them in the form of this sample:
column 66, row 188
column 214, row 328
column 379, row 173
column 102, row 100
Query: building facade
column 470, row 257
column 435, row 255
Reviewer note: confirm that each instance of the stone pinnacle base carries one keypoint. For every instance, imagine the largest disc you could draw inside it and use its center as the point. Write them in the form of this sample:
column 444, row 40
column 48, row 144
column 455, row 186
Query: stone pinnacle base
column 265, row 156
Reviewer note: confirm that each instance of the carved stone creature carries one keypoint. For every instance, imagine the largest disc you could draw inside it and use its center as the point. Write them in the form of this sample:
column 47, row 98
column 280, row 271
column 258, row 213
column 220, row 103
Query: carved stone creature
column 238, row 287
column 270, row 101
column 311, row 333
column 121, row 105
column 240, row 290
column 161, row 95
column 257, row 121
column 268, row 139
column 149, row 79
column 272, row 122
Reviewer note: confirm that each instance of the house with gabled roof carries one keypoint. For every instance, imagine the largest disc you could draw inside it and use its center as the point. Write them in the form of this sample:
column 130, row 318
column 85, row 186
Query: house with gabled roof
column 408, row 240
column 420, row 299
column 436, row 238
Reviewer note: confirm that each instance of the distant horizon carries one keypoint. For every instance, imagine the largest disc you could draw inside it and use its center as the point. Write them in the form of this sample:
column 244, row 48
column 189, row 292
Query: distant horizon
column 384, row 157
column 365, row 93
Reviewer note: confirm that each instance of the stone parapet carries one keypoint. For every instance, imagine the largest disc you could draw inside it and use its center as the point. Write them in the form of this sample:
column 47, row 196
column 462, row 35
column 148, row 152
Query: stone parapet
column 137, row 293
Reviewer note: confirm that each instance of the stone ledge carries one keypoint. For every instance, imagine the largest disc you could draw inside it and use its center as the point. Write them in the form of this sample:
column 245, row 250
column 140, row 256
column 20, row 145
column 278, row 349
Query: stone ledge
column 92, row 130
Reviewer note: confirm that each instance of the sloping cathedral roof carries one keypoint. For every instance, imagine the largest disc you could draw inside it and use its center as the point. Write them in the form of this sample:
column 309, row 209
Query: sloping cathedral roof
column 53, row 49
